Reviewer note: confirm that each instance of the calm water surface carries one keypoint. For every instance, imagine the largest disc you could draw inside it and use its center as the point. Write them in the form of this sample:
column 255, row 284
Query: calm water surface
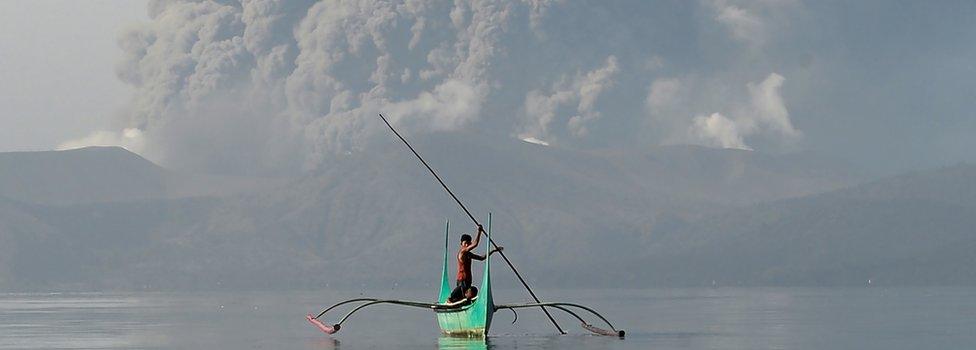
column 723, row 318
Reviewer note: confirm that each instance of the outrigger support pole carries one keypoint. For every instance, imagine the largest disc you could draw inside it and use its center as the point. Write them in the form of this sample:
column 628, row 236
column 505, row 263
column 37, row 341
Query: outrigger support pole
column 509, row 262
column 563, row 307
column 333, row 328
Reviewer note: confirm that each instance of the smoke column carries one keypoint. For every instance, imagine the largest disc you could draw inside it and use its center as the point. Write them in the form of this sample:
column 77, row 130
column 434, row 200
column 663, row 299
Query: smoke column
column 275, row 86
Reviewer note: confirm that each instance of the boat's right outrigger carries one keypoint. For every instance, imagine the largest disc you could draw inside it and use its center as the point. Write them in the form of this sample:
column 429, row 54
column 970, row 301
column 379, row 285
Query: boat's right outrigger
column 565, row 307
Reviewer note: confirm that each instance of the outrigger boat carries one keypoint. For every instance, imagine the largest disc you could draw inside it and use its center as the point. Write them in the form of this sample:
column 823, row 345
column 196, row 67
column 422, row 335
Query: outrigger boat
column 471, row 318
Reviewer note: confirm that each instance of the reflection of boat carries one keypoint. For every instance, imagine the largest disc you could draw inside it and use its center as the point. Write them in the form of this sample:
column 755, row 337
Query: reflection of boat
column 456, row 343
column 466, row 320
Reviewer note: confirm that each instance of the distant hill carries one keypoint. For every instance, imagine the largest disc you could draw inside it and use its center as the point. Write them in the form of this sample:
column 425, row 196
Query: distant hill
column 21, row 236
column 561, row 212
column 732, row 176
column 103, row 174
column 914, row 229
column 376, row 218
column 94, row 174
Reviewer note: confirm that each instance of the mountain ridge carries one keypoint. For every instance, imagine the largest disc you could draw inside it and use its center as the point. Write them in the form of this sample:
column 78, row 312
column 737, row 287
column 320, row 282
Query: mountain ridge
column 568, row 217
column 843, row 237
column 105, row 174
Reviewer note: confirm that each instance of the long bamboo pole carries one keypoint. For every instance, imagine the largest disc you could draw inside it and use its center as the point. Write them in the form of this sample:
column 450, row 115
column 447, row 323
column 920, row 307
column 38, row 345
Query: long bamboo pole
column 507, row 261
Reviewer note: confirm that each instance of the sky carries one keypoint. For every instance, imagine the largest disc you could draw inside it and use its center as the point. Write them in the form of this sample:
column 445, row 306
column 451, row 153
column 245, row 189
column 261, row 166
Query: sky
column 268, row 86
column 57, row 69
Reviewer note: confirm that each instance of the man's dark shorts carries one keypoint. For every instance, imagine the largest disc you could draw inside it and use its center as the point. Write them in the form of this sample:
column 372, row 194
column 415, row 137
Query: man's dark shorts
column 458, row 292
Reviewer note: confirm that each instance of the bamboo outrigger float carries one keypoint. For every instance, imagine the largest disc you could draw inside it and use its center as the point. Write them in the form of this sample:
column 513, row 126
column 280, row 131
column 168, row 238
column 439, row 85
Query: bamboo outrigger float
column 473, row 318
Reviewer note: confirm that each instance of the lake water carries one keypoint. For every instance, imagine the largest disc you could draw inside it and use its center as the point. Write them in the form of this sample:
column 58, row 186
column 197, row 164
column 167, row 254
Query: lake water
column 722, row 318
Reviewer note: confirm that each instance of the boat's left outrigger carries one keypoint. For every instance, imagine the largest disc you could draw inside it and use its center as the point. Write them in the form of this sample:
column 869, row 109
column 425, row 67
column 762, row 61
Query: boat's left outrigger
column 364, row 302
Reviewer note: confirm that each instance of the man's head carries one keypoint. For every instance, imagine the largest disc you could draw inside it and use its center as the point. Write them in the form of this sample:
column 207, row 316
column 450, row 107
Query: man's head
column 471, row 292
column 465, row 239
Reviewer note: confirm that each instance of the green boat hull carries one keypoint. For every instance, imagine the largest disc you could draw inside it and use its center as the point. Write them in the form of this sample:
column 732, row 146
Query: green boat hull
column 473, row 320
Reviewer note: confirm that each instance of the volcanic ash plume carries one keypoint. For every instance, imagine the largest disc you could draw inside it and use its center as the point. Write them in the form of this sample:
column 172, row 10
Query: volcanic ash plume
column 286, row 83
column 275, row 86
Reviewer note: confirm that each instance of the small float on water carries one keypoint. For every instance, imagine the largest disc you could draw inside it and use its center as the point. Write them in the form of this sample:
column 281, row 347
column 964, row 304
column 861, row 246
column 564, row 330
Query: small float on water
column 473, row 317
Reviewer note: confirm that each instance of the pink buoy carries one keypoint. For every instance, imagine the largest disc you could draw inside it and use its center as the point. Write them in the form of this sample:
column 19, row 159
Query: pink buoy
column 602, row 331
column 318, row 324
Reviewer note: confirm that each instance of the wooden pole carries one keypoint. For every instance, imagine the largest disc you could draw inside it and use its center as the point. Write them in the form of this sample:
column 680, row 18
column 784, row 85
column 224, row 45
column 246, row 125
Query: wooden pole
column 507, row 261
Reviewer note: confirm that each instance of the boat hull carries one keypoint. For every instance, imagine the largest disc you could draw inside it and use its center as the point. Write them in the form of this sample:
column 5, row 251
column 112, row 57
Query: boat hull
column 472, row 321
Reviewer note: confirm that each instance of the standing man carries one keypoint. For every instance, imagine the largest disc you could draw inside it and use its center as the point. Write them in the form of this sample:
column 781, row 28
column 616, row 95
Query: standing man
column 464, row 257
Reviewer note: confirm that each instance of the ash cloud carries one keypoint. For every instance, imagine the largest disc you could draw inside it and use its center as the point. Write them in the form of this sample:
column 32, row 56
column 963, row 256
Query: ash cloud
column 755, row 110
column 130, row 139
column 723, row 109
column 291, row 82
column 583, row 90
column 273, row 86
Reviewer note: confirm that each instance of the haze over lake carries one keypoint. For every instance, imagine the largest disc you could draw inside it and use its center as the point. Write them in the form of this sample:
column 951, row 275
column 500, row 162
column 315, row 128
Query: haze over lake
column 718, row 174
column 724, row 318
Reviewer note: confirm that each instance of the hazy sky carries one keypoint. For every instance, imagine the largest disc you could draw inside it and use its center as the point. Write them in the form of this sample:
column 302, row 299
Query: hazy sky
column 226, row 87
column 57, row 77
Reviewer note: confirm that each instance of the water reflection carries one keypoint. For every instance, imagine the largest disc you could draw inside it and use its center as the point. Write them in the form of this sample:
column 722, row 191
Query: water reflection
column 328, row 343
column 455, row 343
column 50, row 320
column 662, row 319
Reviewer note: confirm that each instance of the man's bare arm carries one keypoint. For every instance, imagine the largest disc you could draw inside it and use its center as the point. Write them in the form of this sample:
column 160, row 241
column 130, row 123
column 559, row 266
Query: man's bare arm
column 477, row 239
column 482, row 257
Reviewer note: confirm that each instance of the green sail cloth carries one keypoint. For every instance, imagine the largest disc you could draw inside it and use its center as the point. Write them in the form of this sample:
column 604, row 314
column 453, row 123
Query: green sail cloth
column 445, row 281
